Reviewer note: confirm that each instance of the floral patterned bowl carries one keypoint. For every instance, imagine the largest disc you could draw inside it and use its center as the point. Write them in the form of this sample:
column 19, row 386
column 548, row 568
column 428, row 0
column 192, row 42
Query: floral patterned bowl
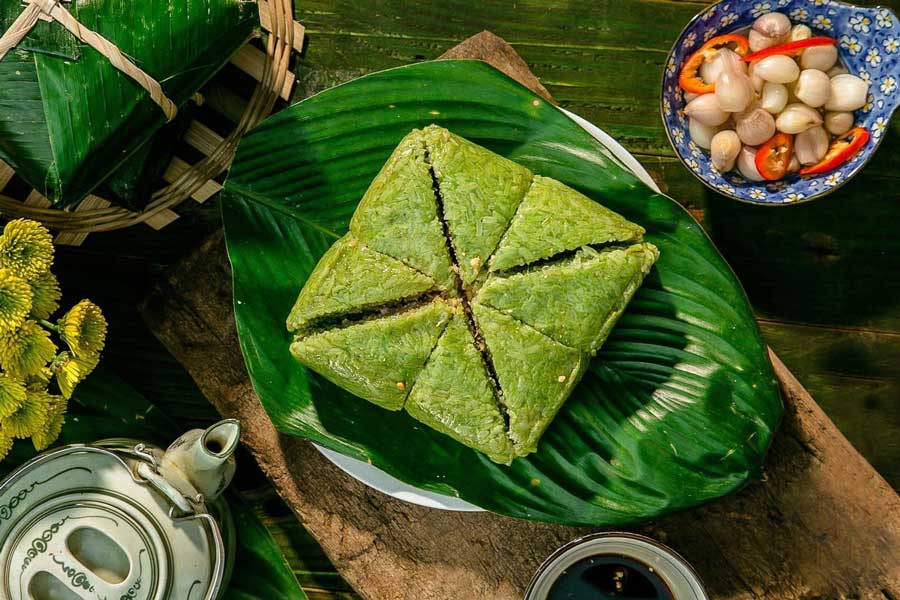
column 868, row 45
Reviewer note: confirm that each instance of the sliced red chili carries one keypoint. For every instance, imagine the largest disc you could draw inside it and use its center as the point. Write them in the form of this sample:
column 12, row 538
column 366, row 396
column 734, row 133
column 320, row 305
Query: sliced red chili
column 841, row 150
column 790, row 47
column 773, row 158
column 689, row 79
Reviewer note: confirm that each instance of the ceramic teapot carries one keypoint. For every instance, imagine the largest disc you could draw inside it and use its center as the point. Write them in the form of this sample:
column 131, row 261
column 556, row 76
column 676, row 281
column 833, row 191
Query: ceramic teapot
column 120, row 519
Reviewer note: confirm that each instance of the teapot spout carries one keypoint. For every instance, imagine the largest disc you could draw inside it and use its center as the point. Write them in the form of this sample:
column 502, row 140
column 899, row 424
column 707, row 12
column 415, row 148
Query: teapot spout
column 219, row 442
column 202, row 461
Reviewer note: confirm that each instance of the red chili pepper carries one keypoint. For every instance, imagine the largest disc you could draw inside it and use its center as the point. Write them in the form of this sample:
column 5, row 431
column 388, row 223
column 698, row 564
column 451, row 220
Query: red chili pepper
column 689, row 78
column 773, row 158
column 841, row 150
column 791, row 47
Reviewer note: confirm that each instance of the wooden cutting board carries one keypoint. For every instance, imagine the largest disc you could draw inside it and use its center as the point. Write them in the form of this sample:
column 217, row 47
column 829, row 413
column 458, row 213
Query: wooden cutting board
column 820, row 524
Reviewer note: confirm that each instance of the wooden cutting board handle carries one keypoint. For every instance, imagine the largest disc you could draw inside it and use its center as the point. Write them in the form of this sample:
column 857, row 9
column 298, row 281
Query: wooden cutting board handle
column 821, row 524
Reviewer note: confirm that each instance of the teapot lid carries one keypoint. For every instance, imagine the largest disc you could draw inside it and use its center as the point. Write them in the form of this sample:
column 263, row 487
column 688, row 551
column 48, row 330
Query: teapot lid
column 82, row 522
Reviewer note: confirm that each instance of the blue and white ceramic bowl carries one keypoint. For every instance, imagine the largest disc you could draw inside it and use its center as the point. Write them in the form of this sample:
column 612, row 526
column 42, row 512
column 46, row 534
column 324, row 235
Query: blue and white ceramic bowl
column 868, row 45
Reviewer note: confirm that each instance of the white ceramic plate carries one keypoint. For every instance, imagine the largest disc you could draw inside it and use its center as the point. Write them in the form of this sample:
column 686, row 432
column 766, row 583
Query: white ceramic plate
column 376, row 478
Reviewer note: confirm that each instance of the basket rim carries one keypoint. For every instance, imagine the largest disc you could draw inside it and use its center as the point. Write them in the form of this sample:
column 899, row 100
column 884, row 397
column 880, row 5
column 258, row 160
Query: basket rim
column 278, row 49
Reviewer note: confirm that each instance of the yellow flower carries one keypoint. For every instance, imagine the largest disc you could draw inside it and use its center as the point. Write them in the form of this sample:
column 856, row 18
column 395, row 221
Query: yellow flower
column 53, row 424
column 26, row 248
column 15, row 300
column 72, row 370
column 26, row 350
column 50, row 432
column 39, row 380
column 6, row 442
column 31, row 417
column 12, row 396
column 83, row 328
column 45, row 295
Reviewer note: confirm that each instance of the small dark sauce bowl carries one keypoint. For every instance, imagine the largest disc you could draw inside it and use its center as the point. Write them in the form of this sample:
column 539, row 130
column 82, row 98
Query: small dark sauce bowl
column 615, row 566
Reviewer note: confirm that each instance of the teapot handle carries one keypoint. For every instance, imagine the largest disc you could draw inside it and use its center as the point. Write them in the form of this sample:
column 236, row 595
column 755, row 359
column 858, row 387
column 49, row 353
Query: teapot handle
column 151, row 476
column 164, row 487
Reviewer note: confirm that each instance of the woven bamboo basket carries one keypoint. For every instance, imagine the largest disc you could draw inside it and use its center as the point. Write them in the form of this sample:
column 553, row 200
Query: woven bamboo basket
column 183, row 180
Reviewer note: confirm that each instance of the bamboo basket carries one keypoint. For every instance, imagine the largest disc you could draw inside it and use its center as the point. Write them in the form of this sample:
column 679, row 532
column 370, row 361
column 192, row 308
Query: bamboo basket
column 183, row 180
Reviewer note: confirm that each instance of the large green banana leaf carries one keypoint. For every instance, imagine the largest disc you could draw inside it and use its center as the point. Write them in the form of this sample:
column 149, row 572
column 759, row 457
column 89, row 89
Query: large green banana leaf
column 105, row 406
column 68, row 118
column 679, row 406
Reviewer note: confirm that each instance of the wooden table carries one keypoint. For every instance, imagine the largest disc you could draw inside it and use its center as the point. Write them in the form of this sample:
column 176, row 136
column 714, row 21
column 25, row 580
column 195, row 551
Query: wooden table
column 822, row 277
column 819, row 505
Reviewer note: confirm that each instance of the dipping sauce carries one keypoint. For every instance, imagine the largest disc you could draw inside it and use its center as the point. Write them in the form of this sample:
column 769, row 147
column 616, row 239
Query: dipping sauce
column 615, row 565
column 608, row 577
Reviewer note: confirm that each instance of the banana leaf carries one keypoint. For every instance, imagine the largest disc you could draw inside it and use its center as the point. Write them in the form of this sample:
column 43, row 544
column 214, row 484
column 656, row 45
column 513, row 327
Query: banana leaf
column 315, row 572
column 260, row 570
column 68, row 118
column 105, row 406
column 678, row 407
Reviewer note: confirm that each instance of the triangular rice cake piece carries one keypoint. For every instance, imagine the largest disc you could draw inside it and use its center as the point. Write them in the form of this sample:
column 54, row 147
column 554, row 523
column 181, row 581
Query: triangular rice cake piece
column 455, row 396
column 577, row 301
column 350, row 278
column 554, row 218
column 398, row 214
column 377, row 359
column 536, row 374
column 480, row 192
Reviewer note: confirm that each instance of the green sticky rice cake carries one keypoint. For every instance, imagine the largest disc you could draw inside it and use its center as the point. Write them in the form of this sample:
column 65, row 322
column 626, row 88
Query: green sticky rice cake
column 575, row 301
column 480, row 192
column 535, row 373
column 377, row 359
column 469, row 292
column 554, row 218
column 473, row 418
column 398, row 214
column 351, row 278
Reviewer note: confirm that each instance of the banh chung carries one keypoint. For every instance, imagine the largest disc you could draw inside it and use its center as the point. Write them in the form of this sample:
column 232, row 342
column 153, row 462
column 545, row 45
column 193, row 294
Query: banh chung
column 469, row 292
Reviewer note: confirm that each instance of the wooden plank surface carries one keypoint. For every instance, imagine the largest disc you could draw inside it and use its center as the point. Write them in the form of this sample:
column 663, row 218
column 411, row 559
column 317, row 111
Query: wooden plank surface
column 830, row 264
column 819, row 504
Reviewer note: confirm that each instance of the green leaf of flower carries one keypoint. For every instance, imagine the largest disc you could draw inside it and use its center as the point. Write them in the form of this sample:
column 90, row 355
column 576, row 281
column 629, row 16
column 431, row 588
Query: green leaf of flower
column 26, row 248
column 83, row 328
column 45, row 295
column 26, row 350
column 15, row 300
column 12, row 395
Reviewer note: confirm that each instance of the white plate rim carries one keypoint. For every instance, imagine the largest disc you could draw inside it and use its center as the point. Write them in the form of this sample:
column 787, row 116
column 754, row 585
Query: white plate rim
column 385, row 483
